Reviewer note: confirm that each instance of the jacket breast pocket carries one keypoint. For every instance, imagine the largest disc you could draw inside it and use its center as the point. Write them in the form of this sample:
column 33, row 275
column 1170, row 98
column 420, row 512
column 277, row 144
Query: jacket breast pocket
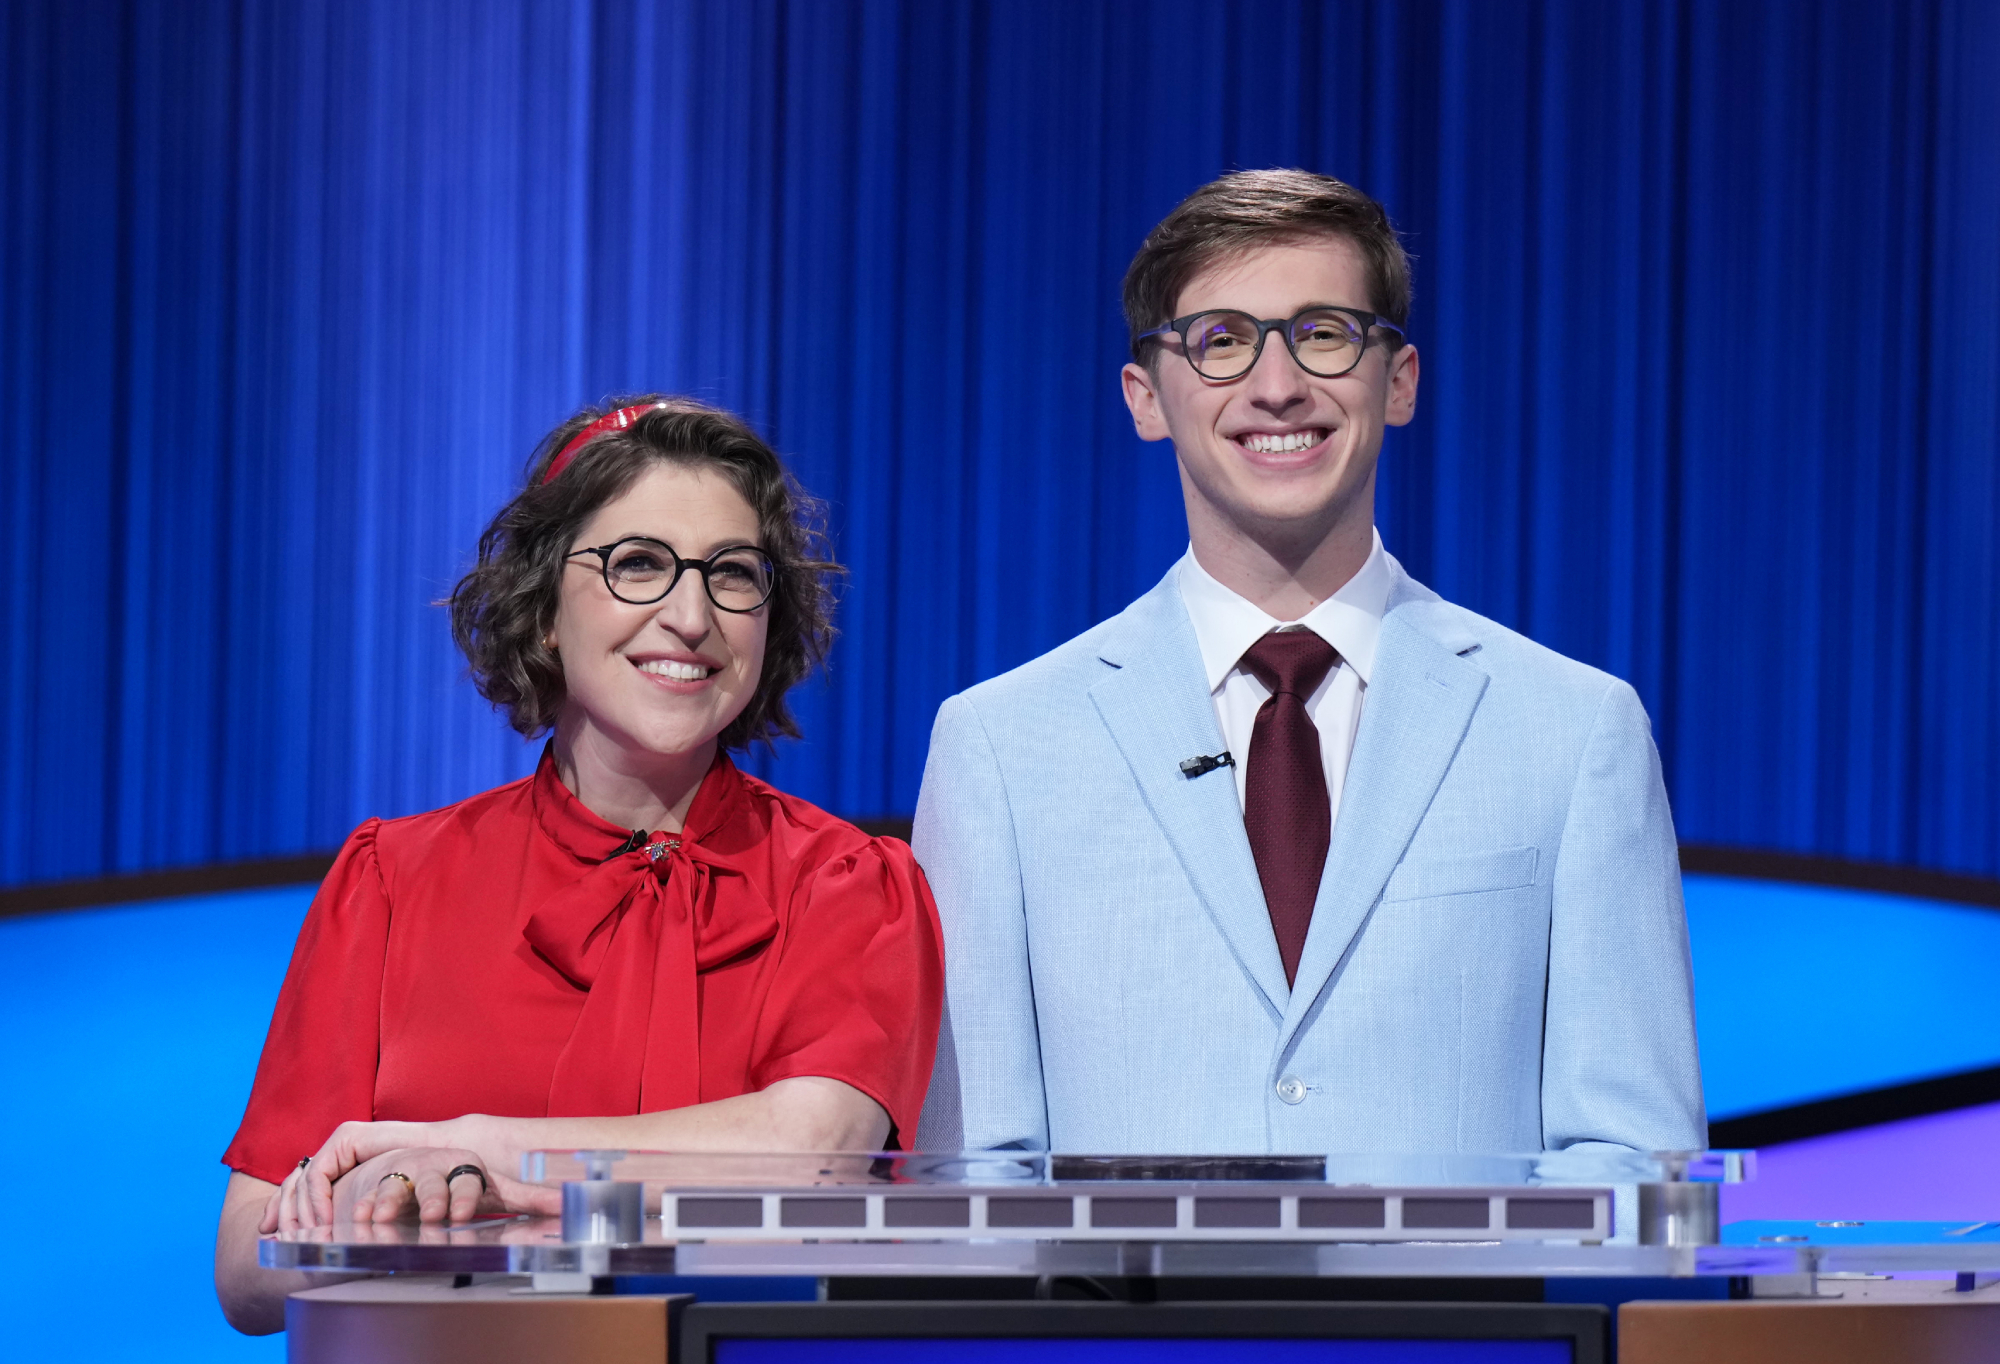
column 1469, row 874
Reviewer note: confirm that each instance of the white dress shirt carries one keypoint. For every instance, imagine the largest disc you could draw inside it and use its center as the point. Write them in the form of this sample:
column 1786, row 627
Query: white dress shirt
column 1226, row 625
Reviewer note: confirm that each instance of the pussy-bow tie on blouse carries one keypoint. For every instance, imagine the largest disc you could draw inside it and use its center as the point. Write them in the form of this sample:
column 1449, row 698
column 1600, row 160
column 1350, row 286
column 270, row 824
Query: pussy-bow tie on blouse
column 634, row 931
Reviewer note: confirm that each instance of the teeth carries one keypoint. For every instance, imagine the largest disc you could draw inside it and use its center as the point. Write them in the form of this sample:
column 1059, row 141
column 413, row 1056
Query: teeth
column 684, row 672
column 1278, row 445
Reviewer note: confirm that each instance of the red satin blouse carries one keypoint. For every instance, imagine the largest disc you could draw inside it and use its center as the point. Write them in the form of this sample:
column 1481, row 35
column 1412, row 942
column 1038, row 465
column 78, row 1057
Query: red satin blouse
column 514, row 955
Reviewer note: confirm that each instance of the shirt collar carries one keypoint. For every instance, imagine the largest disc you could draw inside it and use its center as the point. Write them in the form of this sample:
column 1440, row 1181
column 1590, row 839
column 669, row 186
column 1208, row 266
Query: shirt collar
column 1226, row 624
column 583, row 834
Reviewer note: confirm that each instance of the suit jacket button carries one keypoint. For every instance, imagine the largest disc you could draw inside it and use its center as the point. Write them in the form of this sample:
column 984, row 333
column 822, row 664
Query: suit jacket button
column 1292, row 1089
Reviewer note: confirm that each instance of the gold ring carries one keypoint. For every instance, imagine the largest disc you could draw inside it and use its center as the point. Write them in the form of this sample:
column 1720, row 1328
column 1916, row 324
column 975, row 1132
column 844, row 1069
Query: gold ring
column 398, row 1174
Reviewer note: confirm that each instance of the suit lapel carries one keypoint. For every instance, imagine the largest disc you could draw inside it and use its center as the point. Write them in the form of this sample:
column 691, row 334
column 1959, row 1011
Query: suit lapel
column 1158, row 710
column 1418, row 705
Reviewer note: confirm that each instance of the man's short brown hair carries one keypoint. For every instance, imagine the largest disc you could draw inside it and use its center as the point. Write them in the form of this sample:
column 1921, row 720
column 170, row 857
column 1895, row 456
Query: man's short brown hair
column 1248, row 209
column 502, row 611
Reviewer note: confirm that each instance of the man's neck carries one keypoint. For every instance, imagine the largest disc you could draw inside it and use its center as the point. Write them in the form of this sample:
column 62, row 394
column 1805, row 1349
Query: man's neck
column 1280, row 576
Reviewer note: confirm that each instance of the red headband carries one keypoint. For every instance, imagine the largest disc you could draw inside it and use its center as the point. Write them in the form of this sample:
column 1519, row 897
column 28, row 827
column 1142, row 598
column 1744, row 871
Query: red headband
column 611, row 421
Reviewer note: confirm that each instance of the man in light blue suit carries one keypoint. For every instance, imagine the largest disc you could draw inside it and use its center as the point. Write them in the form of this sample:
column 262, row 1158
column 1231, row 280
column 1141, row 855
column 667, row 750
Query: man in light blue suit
column 1292, row 855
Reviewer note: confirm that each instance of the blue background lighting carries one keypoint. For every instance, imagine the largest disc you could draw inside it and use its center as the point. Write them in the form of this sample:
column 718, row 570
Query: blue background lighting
column 1804, row 992
column 130, row 1036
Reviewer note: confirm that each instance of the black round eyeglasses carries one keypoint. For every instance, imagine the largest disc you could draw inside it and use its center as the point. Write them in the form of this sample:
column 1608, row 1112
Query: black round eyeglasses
column 641, row 570
column 1224, row 343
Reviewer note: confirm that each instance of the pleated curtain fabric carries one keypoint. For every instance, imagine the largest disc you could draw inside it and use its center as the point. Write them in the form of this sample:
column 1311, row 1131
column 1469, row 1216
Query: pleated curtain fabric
column 1705, row 300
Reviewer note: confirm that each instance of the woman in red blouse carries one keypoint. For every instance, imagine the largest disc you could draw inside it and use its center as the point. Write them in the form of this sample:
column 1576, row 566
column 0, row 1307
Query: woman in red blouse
column 637, row 947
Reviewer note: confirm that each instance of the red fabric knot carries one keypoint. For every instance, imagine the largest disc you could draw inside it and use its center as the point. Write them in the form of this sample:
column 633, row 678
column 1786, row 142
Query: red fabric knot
column 1286, row 811
column 634, row 931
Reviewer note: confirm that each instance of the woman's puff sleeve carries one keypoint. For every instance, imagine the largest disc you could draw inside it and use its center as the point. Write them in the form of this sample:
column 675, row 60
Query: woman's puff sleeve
column 860, row 988
column 319, row 1061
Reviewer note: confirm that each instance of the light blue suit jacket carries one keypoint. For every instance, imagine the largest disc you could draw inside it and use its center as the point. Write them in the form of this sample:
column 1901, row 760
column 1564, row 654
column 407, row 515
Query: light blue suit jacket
column 1498, row 956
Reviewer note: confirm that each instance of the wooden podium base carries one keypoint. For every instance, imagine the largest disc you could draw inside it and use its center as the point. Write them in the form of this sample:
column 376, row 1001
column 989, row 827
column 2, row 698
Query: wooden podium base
column 422, row 1320
column 1898, row 1321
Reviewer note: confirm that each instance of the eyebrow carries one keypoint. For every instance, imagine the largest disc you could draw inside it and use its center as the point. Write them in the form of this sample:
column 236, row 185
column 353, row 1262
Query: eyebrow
column 714, row 546
column 1302, row 308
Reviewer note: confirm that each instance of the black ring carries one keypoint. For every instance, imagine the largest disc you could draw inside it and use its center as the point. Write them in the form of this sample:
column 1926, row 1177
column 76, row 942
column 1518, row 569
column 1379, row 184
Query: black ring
column 458, row 1170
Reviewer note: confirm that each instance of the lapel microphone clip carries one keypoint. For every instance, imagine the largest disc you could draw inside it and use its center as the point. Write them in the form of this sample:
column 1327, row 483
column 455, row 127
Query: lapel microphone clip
column 1204, row 764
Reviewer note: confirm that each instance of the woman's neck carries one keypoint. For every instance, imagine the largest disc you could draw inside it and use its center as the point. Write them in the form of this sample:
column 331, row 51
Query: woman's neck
column 634, row 790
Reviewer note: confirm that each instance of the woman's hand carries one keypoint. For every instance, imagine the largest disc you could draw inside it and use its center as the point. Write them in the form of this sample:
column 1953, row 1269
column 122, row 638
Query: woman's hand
column 373, row 1192
column 305, row 1199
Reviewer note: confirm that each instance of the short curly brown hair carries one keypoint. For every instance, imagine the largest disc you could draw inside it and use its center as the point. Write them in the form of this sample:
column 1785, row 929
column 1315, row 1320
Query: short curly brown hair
column 502, row 611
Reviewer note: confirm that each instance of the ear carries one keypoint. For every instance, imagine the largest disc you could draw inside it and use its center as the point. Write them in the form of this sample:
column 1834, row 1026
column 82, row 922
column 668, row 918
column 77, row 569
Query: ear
column 1142, row 399
column 1403, row 372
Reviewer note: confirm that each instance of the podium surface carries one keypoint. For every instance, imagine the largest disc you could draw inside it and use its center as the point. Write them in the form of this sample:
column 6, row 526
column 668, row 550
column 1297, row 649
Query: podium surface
column 1137, row 1219
column 1573, row 1213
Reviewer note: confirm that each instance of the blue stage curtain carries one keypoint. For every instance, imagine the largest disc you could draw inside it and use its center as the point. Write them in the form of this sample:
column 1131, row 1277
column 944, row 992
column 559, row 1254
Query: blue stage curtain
column 1707, row 301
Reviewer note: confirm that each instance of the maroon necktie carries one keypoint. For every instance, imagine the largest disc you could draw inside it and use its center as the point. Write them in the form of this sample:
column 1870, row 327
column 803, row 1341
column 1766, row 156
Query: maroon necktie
column 1285, row 806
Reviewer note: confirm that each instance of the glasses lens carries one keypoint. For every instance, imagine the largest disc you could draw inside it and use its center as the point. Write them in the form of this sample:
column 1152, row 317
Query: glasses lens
column 740, row 579
column 1222, row 345
column 640, row 571
column 1327, row 343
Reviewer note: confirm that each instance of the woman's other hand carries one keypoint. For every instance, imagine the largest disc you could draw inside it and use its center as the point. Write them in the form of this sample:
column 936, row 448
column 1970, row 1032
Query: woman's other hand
column 372, row 1192
column 305, row 1199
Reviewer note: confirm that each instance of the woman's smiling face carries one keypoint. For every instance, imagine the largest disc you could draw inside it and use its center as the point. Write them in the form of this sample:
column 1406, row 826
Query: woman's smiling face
column 666, row 678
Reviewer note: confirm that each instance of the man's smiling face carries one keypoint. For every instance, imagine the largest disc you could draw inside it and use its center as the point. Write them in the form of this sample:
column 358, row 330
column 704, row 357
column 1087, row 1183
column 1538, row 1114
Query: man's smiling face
column 1279, row 454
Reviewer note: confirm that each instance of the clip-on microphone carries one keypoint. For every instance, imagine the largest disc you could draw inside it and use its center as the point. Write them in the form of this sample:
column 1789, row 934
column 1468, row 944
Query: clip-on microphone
column 1204, row 764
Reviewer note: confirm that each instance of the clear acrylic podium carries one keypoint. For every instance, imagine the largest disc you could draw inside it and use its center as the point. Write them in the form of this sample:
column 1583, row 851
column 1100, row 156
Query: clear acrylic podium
column 893, row 1214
